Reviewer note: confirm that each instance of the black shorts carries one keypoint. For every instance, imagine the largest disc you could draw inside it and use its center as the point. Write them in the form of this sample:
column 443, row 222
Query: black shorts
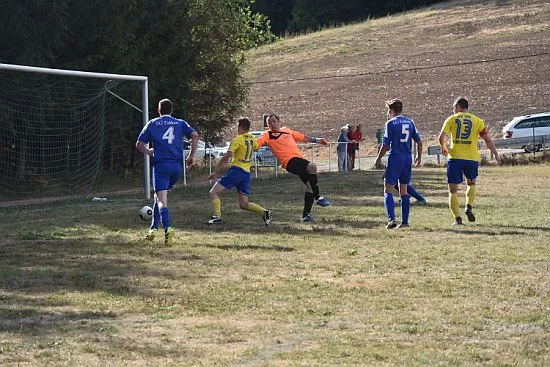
column 298, row 167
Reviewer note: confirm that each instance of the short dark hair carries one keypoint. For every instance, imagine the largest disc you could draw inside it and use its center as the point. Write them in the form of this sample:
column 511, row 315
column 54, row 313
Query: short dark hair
column 244, row 122
column 395, row 105
column 272, row 115
column 165, row 106
column 462, row 102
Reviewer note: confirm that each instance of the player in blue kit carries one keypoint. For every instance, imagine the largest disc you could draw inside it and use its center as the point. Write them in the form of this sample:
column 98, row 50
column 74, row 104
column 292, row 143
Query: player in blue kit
column 399, row 132
column 166, row 133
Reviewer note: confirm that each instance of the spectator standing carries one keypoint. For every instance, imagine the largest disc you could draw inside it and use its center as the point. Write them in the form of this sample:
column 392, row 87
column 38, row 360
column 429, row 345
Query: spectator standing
column 358, row 137
column 351, row 146
column 342, row 149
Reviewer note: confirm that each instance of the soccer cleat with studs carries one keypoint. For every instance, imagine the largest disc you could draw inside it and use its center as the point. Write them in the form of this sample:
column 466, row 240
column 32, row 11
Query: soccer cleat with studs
column 169, row 237
column 321, row 201
column 267, row 217
column 308, row 219
column 213, row 220
column 470, row 214
column 458, row 221
column 403, row 225
column 152, row 234
column 391, row 224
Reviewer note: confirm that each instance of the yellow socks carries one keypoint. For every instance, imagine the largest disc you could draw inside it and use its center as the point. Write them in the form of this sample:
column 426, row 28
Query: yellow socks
column 217, row 208
column 255, row 208
column 471, row 194
column 453, row 204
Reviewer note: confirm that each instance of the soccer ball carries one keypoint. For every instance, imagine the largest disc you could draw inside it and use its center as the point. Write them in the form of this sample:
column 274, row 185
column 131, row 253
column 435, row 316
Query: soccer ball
column 145, row 213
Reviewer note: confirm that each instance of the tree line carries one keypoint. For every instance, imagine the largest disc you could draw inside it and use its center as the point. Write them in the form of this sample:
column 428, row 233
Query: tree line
column 299, row 16
column 192, row 51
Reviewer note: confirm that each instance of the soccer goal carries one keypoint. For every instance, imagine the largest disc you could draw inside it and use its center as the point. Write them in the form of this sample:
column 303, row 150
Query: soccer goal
column 67, row 133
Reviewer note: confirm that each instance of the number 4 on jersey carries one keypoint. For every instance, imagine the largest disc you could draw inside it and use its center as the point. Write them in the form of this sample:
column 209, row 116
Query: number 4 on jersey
column 169, row 135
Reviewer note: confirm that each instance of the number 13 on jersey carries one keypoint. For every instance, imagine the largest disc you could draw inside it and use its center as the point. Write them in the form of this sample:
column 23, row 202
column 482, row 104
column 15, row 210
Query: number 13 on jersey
column 463, row 128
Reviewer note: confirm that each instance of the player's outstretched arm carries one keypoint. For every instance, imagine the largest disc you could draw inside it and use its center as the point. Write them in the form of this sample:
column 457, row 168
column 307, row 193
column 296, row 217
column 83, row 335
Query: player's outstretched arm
column 194, row 141
column 309, row 139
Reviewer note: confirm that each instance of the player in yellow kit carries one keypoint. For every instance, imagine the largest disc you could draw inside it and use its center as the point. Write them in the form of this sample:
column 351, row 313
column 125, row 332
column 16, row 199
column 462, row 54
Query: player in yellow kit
column 463, row 128
column 240, row 154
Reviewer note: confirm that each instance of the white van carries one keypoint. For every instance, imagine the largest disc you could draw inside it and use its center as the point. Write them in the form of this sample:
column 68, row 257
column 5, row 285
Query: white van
column 528, row 126
column 205, row 150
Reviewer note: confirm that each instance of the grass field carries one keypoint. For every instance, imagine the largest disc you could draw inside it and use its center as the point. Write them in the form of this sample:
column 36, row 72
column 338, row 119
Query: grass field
column 79, row 286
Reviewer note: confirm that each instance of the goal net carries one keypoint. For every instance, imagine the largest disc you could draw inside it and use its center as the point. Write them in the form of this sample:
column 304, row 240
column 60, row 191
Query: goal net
column 67, row 134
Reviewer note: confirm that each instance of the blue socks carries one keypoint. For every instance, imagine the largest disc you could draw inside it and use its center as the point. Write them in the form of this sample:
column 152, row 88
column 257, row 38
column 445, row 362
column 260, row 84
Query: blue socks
column 165, row 217
column 405, row 208
column 390, row 206
column 412, row 192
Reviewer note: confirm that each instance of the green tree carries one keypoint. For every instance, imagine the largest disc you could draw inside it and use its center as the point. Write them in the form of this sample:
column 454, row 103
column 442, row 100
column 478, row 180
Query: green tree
column 191, row 50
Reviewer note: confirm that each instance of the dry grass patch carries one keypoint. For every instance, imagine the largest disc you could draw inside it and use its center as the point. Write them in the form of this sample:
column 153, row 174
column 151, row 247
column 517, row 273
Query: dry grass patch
column 80, row 287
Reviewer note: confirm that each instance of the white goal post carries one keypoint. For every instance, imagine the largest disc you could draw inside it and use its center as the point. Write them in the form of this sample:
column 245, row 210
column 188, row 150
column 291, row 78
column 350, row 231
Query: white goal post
column 121, row 77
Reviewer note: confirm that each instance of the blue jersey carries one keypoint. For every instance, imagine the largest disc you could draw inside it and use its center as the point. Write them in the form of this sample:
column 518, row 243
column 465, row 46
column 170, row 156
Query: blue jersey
column 166, row 134
column 398, row 135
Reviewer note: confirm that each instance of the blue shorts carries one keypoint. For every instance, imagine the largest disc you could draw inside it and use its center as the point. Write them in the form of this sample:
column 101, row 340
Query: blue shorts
column 399, row 169
column 238, row 177
column 458, row 168
column 165, row 175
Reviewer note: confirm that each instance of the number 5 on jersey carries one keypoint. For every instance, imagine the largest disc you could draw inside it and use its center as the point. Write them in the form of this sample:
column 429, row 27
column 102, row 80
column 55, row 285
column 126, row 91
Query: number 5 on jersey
column 405, row 132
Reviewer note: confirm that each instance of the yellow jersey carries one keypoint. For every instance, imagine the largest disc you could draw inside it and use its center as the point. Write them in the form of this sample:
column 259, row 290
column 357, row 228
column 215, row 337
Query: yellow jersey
column 242, row 147
column 464, row 129
column 282, row 144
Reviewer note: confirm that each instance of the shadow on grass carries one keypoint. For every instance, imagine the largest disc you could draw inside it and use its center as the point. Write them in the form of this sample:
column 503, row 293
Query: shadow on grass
column 526, row 228
column 30, row 321
column 276, row 248
column 38, row 270
column 495, row 232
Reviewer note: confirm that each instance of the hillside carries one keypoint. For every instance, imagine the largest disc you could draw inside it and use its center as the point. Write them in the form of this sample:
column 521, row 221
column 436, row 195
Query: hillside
column 496, row 53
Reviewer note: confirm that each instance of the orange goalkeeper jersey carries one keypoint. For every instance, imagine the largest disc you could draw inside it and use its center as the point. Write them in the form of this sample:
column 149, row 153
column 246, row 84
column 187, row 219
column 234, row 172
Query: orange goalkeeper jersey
column 282, row 144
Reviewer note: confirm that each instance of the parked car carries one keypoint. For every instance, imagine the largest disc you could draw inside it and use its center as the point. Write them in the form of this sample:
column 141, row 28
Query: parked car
column 264, row 156
column 528, row 128
column 205, row 150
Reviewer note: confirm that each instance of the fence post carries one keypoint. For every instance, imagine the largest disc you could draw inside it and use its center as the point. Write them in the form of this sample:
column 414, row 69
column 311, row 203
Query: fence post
column 329, row 155
column 534, row 142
